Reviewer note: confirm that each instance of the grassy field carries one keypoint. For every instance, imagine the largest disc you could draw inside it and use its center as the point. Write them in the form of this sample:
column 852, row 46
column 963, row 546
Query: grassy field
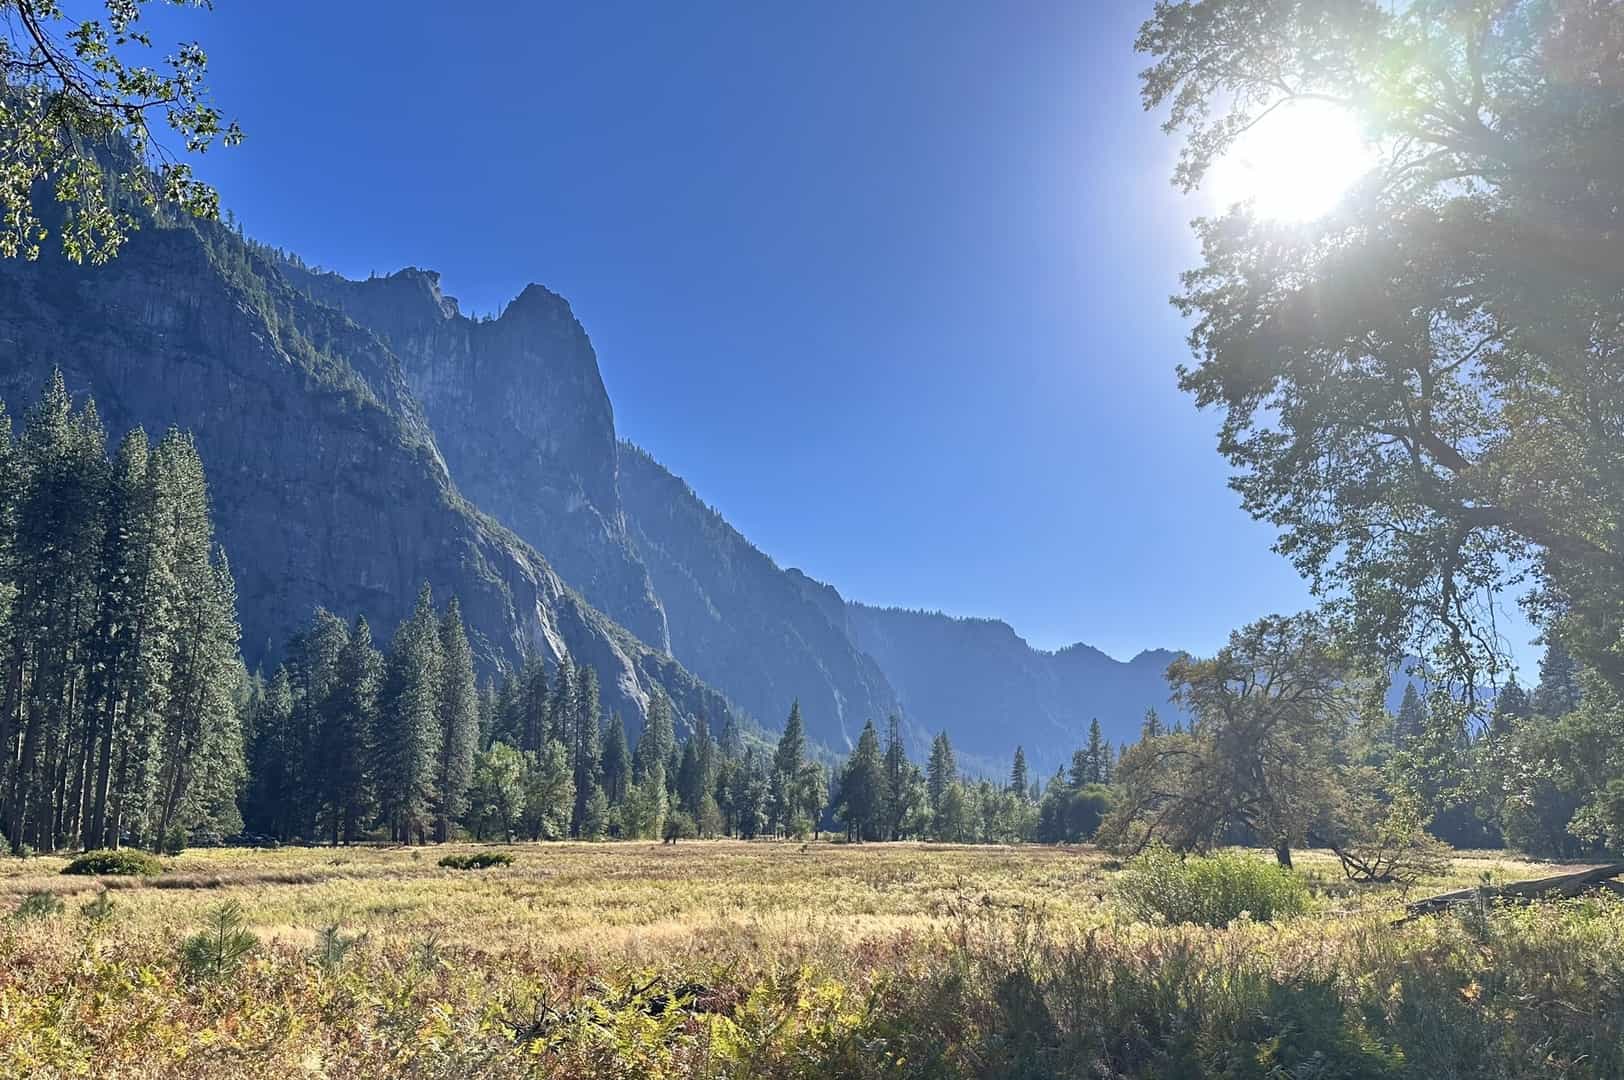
column 731, row 959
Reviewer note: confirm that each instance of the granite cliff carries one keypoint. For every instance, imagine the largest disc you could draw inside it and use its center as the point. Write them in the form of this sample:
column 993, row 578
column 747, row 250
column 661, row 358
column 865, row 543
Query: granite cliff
column 328, row 482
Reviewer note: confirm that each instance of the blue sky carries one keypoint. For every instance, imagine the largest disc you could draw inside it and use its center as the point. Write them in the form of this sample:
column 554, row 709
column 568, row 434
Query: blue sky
column 886, row 283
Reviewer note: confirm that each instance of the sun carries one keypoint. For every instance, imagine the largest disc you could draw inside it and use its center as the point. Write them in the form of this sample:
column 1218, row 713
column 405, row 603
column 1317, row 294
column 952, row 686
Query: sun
column 1295, row 163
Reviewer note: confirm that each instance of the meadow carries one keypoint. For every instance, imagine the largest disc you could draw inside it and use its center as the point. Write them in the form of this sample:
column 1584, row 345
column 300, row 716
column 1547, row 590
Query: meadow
column 782, row 959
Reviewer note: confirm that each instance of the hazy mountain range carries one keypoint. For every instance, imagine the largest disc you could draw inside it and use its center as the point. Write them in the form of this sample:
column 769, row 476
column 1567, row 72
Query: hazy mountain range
column 362, row 437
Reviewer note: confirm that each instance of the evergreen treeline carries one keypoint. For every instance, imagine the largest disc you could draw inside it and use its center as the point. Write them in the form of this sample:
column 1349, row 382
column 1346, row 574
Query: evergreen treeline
column 126, row 718
column 119, row 706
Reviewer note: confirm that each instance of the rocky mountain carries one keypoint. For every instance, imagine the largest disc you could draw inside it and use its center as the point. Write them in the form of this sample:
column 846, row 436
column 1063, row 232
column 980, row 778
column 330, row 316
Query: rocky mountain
column 518, row 408
column 983, row 684
column 329, row 483
column 362, row 437
column 740, row 622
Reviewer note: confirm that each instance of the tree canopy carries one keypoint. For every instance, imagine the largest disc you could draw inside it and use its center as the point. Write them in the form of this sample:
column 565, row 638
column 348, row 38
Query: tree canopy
column 1421, row 389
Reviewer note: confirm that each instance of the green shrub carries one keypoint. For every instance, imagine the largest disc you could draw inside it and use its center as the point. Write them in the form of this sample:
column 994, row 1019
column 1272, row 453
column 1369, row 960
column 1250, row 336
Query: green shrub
column 479, row 860
column 1212, row 890
column 221, row 945
column 39, row 905
column 123, row 861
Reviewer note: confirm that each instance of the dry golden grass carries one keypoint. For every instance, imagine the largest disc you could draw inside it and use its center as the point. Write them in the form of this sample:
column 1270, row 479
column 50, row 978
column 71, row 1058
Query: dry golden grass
column 533, row 969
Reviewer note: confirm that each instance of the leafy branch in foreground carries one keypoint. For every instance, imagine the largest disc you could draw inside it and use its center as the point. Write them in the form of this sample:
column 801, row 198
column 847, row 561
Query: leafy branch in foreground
column 70, row 97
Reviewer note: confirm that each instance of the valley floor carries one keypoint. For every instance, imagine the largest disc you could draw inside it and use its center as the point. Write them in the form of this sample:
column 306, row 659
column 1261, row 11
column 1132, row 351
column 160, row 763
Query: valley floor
column 734, row 959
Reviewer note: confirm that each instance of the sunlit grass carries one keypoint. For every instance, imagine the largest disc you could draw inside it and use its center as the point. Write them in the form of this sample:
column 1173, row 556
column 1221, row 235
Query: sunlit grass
column 799, row 951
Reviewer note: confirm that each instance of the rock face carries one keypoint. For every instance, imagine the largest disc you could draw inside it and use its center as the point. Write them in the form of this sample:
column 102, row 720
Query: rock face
column 329, row 485
column 362, row 437
column 518, row 408
column 983, row 684
column 768, row 636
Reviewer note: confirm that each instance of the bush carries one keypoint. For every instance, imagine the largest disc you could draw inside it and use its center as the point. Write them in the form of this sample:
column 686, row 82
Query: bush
column 39, row 905
column 479, row 860
column 220, row 946
column 1212, row 890
column 124, row 861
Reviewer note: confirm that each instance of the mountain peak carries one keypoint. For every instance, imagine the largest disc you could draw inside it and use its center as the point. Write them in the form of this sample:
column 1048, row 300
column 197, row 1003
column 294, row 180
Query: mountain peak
column 538, row 301
column 416, row 283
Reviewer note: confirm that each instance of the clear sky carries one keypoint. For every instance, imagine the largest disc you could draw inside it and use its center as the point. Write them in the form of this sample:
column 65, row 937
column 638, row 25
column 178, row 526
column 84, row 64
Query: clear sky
column 885, row 282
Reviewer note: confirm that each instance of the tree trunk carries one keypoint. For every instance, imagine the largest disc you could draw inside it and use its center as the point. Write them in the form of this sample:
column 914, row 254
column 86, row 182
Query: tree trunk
column 1282, row 854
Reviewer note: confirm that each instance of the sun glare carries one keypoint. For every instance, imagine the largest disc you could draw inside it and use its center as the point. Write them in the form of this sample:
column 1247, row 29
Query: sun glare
column 1295, row 164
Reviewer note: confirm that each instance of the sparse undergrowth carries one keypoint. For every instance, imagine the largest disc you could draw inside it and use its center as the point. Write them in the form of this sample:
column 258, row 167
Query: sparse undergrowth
column 777, row 961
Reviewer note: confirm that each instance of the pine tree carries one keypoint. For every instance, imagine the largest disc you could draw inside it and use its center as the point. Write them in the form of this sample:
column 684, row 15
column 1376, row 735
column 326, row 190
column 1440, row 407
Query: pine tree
column 898, row 776
column 314, row 657
column 941, row 772
column 690, row 788
column 788, row 759
column 409, row 744
column 617, row 762
column 586, row 745
column 350, row 720
column 60, row 515
column 1510, row 706
column 1017, row 774
column 270, row 792
column 656, row 741
column 791, row 751
column 565, row 705
column 1152, row 726
column 132, row 643
column 1098, row 753
column 862, row 788
column 200, row 746
column 533, row 702
column 1558, row 691
column 1412, row 717
column 458, row 722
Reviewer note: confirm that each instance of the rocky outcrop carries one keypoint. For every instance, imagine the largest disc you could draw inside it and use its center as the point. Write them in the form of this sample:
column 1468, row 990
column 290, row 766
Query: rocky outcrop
column 518, row 408
column 765, row 635
column 329, row 486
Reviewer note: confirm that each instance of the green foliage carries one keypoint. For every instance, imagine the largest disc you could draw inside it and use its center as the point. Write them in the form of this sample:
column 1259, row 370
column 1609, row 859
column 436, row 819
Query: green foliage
column 1269, row 714
column 1418, row 392
column 72, row 90
column 679, row 825
column 121, row 637
column 39, row 905
column 1208, row 890
column 223, row 943
column 116, row 862
column 1394, row 847
column 479, row 860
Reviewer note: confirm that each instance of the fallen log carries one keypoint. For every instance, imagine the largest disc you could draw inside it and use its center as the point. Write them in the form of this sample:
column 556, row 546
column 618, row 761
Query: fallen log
column 1559, row 886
